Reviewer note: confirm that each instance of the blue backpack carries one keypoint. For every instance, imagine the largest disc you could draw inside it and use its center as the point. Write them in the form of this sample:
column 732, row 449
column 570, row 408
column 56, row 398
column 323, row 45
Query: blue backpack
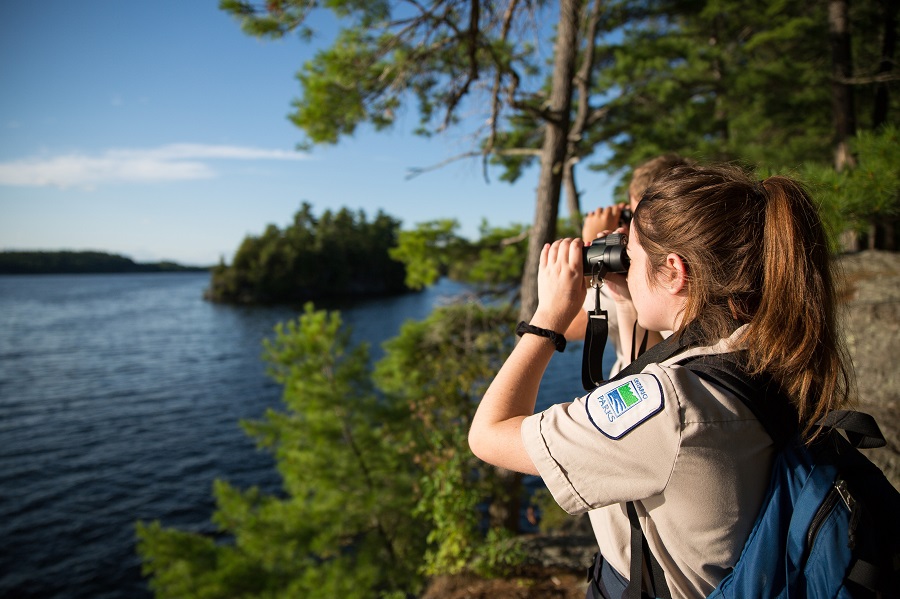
column 830, row 522
column 828, row 527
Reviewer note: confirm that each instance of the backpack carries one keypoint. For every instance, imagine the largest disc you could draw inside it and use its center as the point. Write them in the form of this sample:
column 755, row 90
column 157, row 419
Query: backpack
column 830, row 522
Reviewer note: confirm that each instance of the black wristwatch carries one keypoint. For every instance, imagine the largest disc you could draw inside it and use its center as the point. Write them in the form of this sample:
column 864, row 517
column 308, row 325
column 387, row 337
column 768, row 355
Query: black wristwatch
column 558, row 339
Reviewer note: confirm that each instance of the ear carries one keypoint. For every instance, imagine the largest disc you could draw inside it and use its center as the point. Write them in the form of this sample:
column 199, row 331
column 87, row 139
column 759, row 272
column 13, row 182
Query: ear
column 676, row 274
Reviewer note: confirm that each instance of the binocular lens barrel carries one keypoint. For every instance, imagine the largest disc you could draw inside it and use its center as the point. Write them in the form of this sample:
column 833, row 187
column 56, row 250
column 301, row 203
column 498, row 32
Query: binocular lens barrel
column 606, row 255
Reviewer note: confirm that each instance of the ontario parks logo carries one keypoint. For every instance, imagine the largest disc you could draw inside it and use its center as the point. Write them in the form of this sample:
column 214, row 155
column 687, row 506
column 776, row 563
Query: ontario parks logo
column 621, row 399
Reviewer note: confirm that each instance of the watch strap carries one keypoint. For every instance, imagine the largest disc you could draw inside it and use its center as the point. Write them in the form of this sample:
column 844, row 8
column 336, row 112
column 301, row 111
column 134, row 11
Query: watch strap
column 558, row 339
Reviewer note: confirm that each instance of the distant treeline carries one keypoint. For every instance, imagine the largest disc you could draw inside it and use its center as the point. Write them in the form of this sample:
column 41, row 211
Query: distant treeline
column 21, row 263
column 332, row 256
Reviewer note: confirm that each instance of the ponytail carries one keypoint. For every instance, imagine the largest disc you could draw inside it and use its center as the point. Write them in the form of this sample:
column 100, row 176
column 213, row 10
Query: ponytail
column 794, row 334
column 755, row 253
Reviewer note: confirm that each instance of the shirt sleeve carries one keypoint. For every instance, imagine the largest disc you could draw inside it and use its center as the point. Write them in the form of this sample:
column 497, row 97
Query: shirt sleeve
column 618, row 443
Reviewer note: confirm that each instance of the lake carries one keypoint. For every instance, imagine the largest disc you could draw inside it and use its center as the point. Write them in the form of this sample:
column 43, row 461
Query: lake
column 120, row 400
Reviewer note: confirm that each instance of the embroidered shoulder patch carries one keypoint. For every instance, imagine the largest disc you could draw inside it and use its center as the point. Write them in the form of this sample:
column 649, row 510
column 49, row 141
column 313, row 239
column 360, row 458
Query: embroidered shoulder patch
column 617, row 408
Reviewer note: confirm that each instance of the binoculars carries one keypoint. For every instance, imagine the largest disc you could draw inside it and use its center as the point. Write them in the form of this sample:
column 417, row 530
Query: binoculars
column 606, row 255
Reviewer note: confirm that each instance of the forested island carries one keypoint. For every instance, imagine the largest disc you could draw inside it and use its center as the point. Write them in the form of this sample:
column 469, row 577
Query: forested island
column 334, row 255
column 70, row 262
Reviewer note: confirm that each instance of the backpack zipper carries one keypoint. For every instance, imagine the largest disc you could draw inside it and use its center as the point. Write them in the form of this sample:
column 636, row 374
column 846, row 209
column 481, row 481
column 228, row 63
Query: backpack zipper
column 839, row 492
column 850, row 502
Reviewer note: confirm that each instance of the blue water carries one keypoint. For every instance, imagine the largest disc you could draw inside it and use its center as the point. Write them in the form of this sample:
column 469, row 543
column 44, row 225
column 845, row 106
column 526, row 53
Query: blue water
column 120, row 398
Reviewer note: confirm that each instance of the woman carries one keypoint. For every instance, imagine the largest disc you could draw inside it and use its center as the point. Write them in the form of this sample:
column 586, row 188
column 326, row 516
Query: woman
column 731, row 265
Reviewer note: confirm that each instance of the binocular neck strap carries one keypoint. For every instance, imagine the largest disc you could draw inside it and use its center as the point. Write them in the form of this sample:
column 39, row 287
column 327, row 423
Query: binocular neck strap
column 594, row 344
column 595, row 338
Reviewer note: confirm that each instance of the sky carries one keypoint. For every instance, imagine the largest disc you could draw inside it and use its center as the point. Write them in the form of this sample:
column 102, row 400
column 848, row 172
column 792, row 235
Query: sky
column 159, row 131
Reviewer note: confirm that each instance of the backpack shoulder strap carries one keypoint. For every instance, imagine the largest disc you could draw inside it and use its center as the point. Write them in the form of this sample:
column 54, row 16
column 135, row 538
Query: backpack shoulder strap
column 640, row 555
column 763, row 398
column 760, row 393
column 862, row 430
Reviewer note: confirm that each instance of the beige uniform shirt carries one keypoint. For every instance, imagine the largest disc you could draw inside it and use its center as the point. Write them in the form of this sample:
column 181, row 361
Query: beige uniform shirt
column 692, row 457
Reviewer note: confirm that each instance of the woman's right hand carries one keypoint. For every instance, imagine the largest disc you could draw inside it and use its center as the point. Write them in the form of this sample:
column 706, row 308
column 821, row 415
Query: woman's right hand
column 561, row 284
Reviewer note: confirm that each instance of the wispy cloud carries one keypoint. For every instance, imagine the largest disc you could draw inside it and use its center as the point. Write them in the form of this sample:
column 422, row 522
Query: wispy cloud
column 174, row 162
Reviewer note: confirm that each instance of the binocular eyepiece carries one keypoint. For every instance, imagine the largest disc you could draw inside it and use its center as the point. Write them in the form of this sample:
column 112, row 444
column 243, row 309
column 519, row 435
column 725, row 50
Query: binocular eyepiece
column 606, row 255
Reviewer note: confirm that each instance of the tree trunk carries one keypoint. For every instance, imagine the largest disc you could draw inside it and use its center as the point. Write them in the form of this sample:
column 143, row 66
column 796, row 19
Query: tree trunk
column 888, row 47
column 573, row 202
column 553, row 153
column 582, row 87
column 553, row 160
column 841, row 90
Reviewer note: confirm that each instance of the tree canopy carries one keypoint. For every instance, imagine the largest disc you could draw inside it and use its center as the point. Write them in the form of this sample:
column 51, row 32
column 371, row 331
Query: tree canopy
column 607, row 84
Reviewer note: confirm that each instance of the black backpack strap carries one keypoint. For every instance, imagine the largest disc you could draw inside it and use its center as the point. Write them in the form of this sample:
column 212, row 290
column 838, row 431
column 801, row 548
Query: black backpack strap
column 658, row 353
column 641, row 554
column 777, row 415
column 861, row 429
column 865, row 574
column 772, row 409
column 759, row 393
column 640, row 551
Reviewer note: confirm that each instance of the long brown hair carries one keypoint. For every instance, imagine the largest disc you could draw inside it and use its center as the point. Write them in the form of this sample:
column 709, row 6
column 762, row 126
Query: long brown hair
column 755, row 252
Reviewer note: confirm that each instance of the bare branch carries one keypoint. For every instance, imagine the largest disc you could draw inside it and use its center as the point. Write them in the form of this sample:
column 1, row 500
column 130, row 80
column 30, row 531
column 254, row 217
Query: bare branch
column 513, row 240
column 879, row 78
column 495, row 90
column 583, row 77
column 597, row 115
column 416, row 171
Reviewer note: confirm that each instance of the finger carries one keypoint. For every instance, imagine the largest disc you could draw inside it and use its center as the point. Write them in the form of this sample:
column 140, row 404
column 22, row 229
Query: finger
column 545, row 252
column 553, row 252
column 563, row 255
column 575, row 253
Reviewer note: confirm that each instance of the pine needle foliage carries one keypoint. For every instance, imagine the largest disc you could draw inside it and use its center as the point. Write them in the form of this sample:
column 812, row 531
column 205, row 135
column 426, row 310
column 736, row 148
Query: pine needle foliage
column 379, row 489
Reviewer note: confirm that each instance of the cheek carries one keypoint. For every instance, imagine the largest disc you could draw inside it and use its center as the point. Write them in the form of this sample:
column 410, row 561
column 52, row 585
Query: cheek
column 637, row 282
column 646, row 302
column 639, row 292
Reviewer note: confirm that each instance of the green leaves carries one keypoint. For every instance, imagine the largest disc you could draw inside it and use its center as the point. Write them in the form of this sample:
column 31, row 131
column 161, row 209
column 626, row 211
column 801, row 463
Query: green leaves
column 439, row 368
column 440, row 55
column 433, row 249
column 345, row 524
column 379, row 487
column 428, row 251
column 860, row 197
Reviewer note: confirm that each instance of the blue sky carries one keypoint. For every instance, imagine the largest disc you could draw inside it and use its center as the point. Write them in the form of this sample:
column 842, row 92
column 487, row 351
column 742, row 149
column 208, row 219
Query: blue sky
column 159, row 130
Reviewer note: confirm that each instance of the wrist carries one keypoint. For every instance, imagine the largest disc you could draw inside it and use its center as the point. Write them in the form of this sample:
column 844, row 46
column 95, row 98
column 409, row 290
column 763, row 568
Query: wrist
column 550, row 321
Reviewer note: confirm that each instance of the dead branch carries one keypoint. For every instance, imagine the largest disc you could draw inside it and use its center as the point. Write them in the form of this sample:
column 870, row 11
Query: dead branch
column 416, row 171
